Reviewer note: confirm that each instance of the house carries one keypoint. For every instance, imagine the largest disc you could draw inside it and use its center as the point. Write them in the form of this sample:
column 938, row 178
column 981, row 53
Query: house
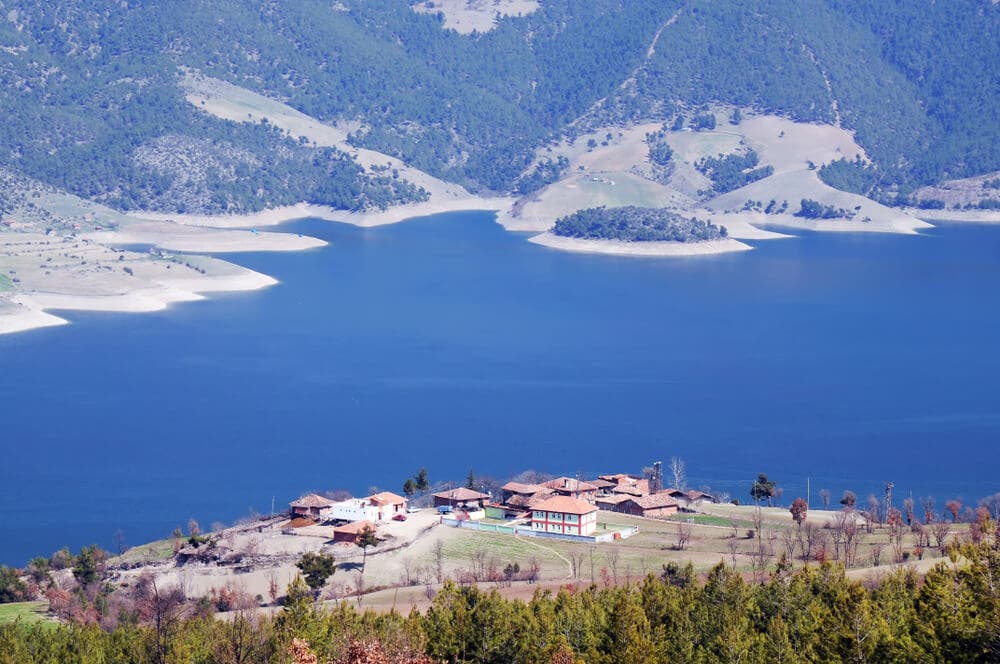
column 612, row 502
column 564, row 515
column 657, row 505
column 377, row 507
column 387, row 504
column 630, row 484
column 353, row 509
column 603, row 486
column 313, row 506
column 690, row 499
column 511, row 489
column 461, row 497
column 695, row 497
column 630, row 490
column 567, row 486
column 350, row 533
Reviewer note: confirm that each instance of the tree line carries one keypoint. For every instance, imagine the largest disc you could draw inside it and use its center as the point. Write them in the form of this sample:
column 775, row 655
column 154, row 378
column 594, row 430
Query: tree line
column 814, row 614
column 636, row 224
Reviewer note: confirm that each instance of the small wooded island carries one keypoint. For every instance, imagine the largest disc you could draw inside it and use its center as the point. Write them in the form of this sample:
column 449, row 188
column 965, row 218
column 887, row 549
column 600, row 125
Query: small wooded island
column 636, row 224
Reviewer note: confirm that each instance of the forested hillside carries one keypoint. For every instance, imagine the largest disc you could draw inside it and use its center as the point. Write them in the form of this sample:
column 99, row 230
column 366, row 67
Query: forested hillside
column 91, row 102
column 815, row 614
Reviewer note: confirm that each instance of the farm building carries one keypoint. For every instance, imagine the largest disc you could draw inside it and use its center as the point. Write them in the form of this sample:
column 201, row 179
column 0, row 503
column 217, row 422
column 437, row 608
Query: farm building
column 350, row 533
column 628, row 484
column 512, row 489
column 612, row 502
column 312, row 506
column 564, row 515
column 567, row 486
column 660, row 504
column 461, row 497
column 689, row 499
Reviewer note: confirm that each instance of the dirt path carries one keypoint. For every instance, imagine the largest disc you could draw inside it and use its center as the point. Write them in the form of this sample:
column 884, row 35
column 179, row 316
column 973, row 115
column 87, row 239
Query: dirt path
column 569, row 563
column 630, row 79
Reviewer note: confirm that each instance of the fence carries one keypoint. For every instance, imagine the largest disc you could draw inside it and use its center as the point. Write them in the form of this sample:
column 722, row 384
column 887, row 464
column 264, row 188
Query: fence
column 609, row 536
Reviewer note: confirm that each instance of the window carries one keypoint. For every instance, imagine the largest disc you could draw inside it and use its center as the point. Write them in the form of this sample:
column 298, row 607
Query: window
column 571, row 518
column 540, row 516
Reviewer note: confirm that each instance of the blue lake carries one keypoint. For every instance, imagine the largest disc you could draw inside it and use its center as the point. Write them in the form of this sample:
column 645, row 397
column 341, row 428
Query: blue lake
column 449, row 343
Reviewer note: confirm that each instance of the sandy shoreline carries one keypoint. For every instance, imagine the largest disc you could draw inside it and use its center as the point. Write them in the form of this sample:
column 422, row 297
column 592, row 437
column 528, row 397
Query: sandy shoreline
column 619, row 248
column 31, row 310
column 961, row 216
column 177, row 237
column 368, row 219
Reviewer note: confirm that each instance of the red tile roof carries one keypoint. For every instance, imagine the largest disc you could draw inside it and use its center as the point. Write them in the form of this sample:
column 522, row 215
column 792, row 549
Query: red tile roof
column 386, row 498
column 613, row 499
column 460, row 494
column 354, row 528
column 570, row 484
column 523, row 489
column 529, row 501
column 312, row 500
column 655, row 501
column 565, row 505
column 630, row 490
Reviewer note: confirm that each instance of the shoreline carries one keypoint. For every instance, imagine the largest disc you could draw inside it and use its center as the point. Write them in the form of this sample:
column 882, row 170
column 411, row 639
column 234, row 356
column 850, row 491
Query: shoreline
column 957, row 216
column 621, row 248
column 367, row 219
column 35, row 306
column 194, row 239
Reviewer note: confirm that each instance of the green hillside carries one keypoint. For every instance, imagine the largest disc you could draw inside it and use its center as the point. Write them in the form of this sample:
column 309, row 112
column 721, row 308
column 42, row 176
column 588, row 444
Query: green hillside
column 91, row 101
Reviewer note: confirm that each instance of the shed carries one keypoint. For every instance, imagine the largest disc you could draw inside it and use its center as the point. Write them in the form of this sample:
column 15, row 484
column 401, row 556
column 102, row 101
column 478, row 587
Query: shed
column 350, row 533
column 659, row 504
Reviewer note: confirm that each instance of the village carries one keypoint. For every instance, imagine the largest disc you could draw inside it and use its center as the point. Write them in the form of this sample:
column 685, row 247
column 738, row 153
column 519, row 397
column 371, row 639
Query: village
column 393, row 552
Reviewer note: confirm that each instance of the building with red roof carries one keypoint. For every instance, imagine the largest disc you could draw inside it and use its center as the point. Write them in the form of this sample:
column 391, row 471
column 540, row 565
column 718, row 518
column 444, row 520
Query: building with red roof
column 564, row 515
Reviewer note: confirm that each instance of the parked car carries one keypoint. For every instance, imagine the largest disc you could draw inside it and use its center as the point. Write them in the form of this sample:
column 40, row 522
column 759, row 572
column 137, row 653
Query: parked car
column 412, row 509
column 399, row 517
column 444, row 509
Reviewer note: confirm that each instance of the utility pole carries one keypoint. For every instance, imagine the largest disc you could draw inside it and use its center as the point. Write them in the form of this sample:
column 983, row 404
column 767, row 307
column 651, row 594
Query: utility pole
column 808, row 494
column 657, row 477
column 272, row 505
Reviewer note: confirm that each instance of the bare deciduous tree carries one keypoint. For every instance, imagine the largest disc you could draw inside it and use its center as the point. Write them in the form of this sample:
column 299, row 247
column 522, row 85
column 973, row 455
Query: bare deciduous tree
column 162, row 607
column 678, row 473
column 734, row 547
column 576, row 562
column 941, row 530
column 611, row 555
column 789, row 541
column 876, row 552
column 438, row 551
column 243, row 641
column 684, row 530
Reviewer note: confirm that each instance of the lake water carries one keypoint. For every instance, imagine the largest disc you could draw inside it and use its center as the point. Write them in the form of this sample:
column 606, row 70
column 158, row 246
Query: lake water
column 449, row 343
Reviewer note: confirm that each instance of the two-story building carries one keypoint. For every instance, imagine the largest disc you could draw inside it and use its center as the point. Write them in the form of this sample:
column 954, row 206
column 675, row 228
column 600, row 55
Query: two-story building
column 564, row 515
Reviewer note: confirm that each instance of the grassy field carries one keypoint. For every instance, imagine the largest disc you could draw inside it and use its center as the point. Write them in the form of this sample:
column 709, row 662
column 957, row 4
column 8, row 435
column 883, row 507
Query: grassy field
column 28, row 613
column 152, row 552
